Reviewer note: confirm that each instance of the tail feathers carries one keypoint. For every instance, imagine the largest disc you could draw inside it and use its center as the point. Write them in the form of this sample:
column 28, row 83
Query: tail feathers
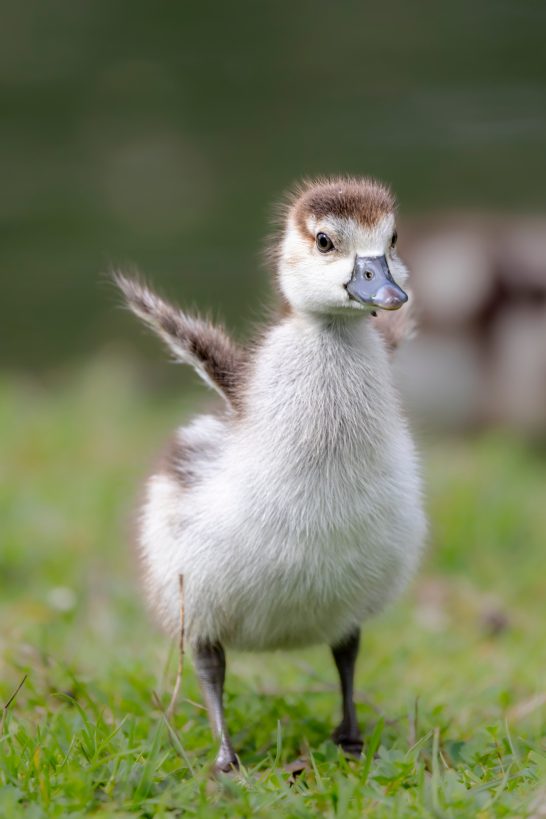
column 192, row 340
column 397, row 326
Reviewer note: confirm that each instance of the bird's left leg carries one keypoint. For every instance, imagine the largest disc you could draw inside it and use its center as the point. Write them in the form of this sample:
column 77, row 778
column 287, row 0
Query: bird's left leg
column 347, row 733
column 210, row 664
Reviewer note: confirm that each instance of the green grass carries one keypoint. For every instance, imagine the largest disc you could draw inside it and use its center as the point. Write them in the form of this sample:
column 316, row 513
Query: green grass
column 451, row 680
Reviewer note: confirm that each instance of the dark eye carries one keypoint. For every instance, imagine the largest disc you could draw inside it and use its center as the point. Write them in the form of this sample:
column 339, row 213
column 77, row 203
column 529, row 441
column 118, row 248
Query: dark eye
column 324, row 243
column 394, row 239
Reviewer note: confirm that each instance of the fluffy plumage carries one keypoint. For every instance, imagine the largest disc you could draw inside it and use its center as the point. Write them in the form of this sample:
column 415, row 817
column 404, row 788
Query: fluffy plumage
column 298, row 522
column 365, row 201
column 299, row 516
column 192, row 340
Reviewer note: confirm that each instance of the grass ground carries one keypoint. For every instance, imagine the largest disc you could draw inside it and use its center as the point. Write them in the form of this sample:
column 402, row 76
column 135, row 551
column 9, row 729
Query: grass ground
column 452, row 678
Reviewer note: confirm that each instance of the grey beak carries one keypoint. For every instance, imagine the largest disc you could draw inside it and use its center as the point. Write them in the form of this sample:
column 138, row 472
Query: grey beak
column 372, row 283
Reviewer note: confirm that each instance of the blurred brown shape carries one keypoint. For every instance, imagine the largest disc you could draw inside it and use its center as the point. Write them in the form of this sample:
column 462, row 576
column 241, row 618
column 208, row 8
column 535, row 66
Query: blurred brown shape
column 480, row 293
column 495, row 621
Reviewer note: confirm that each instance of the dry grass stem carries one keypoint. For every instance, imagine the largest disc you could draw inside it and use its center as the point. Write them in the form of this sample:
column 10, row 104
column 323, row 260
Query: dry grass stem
column 8, row 703
column 527, row 707
column 178, row 682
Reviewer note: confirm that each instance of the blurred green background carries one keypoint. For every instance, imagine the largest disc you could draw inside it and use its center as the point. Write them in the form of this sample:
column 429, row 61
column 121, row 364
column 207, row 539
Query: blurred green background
column 158, row 136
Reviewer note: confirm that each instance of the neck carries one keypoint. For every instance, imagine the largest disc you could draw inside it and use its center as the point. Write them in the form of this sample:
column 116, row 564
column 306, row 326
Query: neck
column 344, row 327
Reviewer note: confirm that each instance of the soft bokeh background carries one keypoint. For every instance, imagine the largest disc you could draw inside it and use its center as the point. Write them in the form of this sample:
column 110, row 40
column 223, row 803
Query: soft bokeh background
column 161, row 138
column 158, row 136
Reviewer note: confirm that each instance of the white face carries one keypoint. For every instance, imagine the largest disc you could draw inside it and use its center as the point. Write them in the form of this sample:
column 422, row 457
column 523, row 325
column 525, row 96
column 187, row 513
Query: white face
column 313, row 279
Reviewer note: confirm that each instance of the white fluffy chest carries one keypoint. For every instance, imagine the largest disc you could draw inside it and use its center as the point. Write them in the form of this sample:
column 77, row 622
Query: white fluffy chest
column 324, row 441
column 311, row 519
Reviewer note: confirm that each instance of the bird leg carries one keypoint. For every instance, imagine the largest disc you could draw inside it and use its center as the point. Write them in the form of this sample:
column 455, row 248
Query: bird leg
column 210, row 664
column 347, row 734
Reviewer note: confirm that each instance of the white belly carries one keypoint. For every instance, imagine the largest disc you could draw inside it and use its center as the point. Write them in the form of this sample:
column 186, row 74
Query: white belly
column 302, row 527
column 295, row 566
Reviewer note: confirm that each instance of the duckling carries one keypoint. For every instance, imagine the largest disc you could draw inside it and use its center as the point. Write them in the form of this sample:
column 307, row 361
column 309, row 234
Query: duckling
column 296, row 514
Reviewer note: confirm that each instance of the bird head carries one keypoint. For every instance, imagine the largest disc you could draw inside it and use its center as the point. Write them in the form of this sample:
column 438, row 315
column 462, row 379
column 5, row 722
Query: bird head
column 336, row 252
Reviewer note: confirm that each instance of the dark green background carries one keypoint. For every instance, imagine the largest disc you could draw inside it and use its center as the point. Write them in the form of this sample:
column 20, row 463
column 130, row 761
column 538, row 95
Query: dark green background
column 158, row 135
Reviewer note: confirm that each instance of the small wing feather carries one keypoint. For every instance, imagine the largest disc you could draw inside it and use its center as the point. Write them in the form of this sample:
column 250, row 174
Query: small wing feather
column 218, row 359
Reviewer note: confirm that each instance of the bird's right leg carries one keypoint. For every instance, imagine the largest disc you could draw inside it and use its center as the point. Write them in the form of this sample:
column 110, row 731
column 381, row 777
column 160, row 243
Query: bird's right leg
column 210, row 664
column 347, row 733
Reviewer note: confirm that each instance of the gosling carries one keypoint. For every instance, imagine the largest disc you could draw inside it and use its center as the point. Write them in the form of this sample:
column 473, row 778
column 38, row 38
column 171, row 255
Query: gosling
column 296, row 514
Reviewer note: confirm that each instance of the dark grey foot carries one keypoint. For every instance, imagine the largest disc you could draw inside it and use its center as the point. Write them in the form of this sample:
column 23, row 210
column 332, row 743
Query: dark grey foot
column 351, row 744
column 226, row 762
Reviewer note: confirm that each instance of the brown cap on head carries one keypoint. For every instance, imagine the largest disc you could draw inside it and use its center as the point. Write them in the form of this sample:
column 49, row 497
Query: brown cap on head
column 364, row 200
